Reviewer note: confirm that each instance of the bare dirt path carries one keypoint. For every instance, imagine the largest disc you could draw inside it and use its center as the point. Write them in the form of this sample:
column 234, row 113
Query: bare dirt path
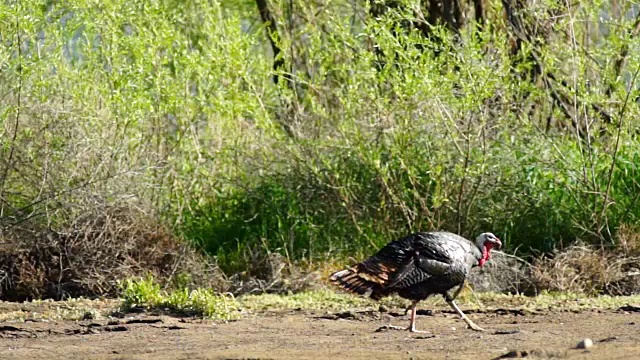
column 314, row 335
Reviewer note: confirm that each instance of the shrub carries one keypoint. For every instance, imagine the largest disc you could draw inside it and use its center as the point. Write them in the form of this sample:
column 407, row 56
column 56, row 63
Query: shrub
column 588, row 270
column 88, row 256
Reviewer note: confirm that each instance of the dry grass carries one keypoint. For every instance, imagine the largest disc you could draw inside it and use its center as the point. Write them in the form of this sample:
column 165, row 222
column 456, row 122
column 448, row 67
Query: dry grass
column 582, row 269
column 116, row 242
column 590, row 270
column 271, row 273
column 628, row 239
column 88, row 257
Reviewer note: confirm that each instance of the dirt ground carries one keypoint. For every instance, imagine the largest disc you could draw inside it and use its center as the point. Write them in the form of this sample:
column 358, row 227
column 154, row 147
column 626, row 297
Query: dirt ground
column 322, row 335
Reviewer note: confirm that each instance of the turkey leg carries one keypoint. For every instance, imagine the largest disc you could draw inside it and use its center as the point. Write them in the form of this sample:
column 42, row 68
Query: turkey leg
column 464, row 317
column 412, row 325
column 451, row 301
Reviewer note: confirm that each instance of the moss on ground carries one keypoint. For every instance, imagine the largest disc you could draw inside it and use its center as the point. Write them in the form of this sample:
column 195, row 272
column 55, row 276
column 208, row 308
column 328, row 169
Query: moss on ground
column 327, row 299
column 213, row 307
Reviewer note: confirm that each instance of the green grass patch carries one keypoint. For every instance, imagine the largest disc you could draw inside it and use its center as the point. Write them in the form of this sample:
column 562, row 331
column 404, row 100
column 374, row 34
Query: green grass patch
column 144, row 292
column 205, row 303
column 334, row 301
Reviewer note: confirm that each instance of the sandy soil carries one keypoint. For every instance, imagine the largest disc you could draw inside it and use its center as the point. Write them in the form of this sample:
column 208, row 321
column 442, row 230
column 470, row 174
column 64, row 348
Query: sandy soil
column 318, row 335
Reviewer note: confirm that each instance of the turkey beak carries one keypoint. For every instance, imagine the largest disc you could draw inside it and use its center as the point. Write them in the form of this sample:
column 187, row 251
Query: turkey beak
column 498, row 243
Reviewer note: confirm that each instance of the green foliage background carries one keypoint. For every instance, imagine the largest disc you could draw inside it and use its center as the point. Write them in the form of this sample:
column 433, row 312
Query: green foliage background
column 171, row 104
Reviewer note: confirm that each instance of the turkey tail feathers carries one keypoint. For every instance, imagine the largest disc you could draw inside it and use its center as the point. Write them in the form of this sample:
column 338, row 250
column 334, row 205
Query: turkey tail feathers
column 350, row 280
column 369, row 279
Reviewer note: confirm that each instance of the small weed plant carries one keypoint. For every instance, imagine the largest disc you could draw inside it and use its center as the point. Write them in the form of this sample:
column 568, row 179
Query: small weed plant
column 145, row 292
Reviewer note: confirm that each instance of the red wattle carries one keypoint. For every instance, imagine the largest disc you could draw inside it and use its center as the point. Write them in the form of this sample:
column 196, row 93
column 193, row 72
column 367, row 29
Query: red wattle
column 486, row 250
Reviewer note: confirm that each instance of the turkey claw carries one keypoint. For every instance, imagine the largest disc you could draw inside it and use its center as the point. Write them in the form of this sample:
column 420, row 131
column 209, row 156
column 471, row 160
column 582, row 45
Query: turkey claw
column 417, row 331
column 390, row 327
column 476, row 327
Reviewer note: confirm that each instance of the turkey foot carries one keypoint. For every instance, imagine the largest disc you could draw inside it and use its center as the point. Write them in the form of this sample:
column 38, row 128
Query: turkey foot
column 389, row 327
column 412, row 325
column 464, row 317
column 394, row 327
column 414, row 330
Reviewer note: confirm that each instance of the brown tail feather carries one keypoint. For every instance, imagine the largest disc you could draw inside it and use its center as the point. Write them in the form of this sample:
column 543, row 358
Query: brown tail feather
column 357, row 281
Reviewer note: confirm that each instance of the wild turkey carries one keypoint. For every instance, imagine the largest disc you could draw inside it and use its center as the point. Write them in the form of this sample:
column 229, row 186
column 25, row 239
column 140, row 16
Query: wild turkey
column 418, row 266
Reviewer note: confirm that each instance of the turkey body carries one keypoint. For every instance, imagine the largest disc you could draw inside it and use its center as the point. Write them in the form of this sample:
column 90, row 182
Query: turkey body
column 415, row 267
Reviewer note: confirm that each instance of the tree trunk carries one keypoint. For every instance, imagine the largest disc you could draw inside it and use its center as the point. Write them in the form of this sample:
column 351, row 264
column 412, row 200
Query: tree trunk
column 272, row 34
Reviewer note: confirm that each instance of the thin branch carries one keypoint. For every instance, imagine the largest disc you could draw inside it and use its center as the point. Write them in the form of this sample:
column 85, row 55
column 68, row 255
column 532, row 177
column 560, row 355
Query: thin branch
column 617, row 147
column 467, row 159
column 55, row 194
column 622, row 57
column 17, row 119
column 513, row 11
